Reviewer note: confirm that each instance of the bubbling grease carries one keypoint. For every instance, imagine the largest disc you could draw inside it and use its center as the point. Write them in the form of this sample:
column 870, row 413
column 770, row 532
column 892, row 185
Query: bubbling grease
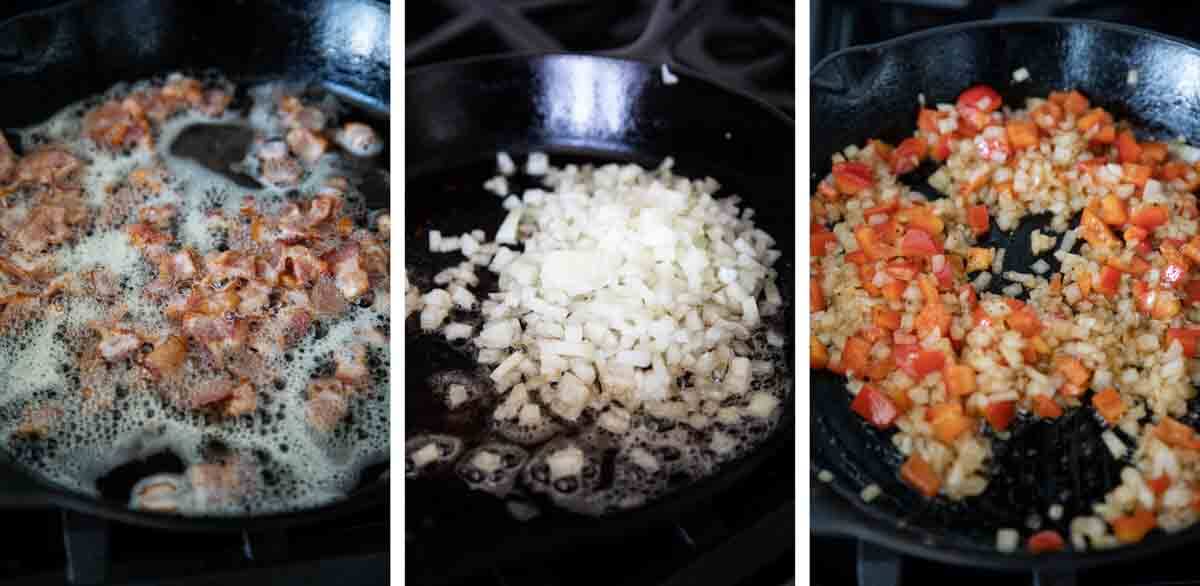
column 288, row 465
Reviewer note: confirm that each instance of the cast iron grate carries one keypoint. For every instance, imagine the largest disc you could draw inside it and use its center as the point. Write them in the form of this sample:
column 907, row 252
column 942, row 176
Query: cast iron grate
column 748, row 45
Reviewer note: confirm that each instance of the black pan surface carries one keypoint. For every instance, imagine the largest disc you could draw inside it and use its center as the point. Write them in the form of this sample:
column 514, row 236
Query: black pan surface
column 872, row 91
column 576, row 108
column 54, row 57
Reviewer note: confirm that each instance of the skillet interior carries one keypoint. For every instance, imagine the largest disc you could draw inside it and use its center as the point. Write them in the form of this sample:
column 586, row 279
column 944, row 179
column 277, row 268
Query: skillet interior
column 872, row 92
column 51, row 58
column 598, row 109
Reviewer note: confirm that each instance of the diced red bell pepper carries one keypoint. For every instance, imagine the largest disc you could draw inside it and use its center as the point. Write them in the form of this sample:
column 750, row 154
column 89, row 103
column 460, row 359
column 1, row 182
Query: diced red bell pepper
column 1173, row 433
column 1024, row 320
column 959, row 379
column 868, row 240
column 906, row 356
column 976, row 103
column 928, row 361
column 920, row 475
column 948, row 421
column 856, row 354
column 908, row 155
column 1187, row 338
column 1150, row 217
column 1128, row 149
column 816, row 298
column 1110, row 281
column 1133, row 528
column 941, row 151
column 852, row 178
column 1159, row 484
column 917, row 242
column 977, row 218
column 932, row 316
column 1109, row 405
column 903, row 270
column 1048, row 541
column 1136, row 173
column 1000, row 414
column 1046, row 408
column 927, row 119
column 1022, row 134
column 883, row 208
column 1113, row 211
column 820, row 240
column 874, row 406
column 818, row 354
column 1095, row 231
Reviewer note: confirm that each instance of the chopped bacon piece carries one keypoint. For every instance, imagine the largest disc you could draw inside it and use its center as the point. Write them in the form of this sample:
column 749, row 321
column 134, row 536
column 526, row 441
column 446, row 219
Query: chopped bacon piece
column 117, row 343
column 348, row 272
column 47, row 166
column 306, row 144
column 283, row 172
column 326, row 405
column 326, row 299
column 305, row 266
column 322, row 208
column 46, row 225
column 254, row 296
column 157, row 216
column 229, row 265
column 383, row 225
column 145, row 236
column 117, row 124
column 229, row 479
column 351, row 365
column 242, row 401
column 37, row 422
column 167, row 356
column 359, row 140
column 8, row 160
column 210, row 392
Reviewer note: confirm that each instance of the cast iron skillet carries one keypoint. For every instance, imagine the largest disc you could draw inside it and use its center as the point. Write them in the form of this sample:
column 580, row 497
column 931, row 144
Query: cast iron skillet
column 601, row 109
column 872, row 91
column 51, row 58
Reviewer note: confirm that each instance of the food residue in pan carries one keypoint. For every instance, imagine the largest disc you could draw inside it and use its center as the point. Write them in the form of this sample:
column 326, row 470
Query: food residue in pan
column 1104, row 323
column 233, row 315
column 633, row 342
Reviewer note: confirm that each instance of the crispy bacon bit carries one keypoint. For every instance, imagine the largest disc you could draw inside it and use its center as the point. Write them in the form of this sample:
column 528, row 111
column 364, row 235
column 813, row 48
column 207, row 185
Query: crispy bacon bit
column 47, row 166
column 103, row 283
column 326, row 406
column 226, row 480
column 229, row 265
column 255, row 296
column 118, row 342
column 322, row 208
column 384, row 226
column 352, row 365
column 306, row 144
column 348, row 272
column 46, row 225
column 359, row 140
column 242, row 401
column 305, row 267
column 180, row 266
column 284, row 172
column 8, row 160
column 145, row 236
column 160, row 493
column 14, row 270
column 210, row 392
column 37, row 422
column 117, row 124
column 157, row 216
column 326, row 299
column 166, row 357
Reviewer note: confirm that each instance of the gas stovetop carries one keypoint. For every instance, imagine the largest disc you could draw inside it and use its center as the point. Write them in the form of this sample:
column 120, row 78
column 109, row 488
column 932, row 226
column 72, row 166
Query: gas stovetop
column 836, row 25
column 56, row 547
column 745, row 536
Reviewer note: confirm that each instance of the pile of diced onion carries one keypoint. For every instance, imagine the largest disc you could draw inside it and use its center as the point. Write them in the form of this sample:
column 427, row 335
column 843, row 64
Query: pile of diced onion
column 620, row 289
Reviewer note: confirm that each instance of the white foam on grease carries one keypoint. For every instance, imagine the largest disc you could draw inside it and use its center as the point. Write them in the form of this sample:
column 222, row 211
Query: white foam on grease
column 295, row 466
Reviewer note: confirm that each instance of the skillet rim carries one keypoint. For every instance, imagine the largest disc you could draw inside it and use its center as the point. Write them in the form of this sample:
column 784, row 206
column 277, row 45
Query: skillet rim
column 25, row 489
column 852, row 518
